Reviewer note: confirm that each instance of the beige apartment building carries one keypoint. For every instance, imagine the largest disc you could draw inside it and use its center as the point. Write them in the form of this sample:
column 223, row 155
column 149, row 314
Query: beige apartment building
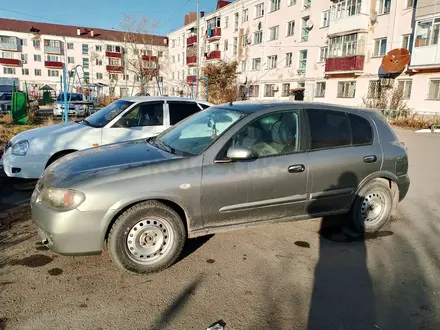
column 330, row 50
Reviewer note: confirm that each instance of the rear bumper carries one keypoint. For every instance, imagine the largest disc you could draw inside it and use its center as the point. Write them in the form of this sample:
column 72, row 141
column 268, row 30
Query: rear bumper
column 403, row 182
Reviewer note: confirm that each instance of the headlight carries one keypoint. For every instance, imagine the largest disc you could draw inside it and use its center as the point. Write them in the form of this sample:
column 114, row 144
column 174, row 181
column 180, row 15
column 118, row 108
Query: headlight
column 61, row 199
column 81, row 107
column 20, row 148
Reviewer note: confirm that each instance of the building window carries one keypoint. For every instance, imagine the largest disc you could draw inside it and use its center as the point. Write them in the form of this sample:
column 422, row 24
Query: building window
column 52, row 58
column 346, row 89
column 160, row 54
column 244, row 40
column 173, row 58
column 380, row 47
column 235, row 50
column 7, row 70
column 85, row 63
column 258, row 37
column 70, row 60
column 289, row 59
column 99, row 75
column 113, row 61
column 404, row 87
column 345, row 8
column 53, row 73
column 52, row 43
column 325, row 18
column 427, row 33
column 37, row 57
column 98, row 62
column 86, row 75
column 285, row 90
column 70, row 45
column 259, row 10
column 256, row 64
column 25, row 72
column 225, row 47
column 98, row 48
column 236, row 18
column 245, row 15
column 302, row 61
column 272, row 61
column 410, row 3
column 23, row 42
column 269, row 90
column 344, row 45
column 85, row 49
column 434, row 89
column 23, row 58
column 383, row 6
column 406, row 41
column 37, row 72
column 178, row 58
column 254, row 90
column 320, row 89
column 243, row 66
column 113, row 48
column 36, row 43
column 304, row 29
column 323, row 54
column 374, row 89
column 292, row 2
column 290, row 28
column 274, row 5
column 307, row 4
column 7, row 55
column 273, row 33
column 226, row 22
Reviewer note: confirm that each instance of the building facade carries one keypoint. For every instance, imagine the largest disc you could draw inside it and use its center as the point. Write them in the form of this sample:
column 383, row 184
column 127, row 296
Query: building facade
column 117, row 63
column 331, row 51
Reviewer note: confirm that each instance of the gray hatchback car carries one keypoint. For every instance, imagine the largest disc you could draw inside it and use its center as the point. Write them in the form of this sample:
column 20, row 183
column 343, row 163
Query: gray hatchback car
column 227, row 167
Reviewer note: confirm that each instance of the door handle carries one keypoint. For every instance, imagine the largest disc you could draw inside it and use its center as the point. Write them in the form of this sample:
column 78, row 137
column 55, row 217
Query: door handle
column 298, row 168
column 370, row 159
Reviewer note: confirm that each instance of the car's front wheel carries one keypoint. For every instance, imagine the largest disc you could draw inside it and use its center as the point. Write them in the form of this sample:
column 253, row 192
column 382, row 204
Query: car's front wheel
column 372, row 207
column 146, row 238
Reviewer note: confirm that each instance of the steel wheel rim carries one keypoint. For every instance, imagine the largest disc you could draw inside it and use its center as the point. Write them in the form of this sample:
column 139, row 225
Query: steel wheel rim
column 149, row 240
column 373, row 207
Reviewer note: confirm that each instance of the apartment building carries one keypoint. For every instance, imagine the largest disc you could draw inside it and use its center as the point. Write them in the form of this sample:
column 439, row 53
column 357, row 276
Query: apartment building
column 114, row 62
column 330, row 50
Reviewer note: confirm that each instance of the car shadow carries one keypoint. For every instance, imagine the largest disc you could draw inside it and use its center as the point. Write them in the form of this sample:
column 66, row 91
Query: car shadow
column 192, row 245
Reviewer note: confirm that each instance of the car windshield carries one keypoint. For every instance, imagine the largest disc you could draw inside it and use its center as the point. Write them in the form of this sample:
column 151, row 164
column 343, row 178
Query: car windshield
column 198, row 132
column 71, row 97
column 107, row 114
column 5, row 97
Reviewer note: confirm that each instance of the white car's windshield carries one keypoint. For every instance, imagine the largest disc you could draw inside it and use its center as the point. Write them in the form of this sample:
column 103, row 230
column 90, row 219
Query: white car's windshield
column 107, row 114
column 198, row 132
column 71, row 97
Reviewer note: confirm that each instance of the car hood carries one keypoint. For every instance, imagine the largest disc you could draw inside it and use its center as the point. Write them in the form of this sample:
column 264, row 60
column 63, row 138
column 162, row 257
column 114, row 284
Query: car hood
column 103, row 161
column 53, row 130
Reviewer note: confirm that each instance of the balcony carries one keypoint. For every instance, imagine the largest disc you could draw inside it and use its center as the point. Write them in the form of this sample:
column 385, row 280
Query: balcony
column 9, row 61
column 191, row 60
column 52, row 49
column 214, row 55
column 149, row 58
column 53, row 64
column 150, row 73
column 114, row 68
column 113, row 54
column 11, row 45
column 215, row 34
column 346, row 64
column 348, row 25
column 191, row 79
column 191, row 40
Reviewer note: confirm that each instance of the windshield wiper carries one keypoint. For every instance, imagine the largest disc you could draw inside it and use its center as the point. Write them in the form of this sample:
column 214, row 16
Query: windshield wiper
column 164, row 146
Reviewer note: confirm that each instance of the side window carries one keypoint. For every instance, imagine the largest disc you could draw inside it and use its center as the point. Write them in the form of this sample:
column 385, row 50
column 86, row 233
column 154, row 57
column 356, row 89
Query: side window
column 271, row 135
column 181, row 110
column 144, row 114
column 204, row 106
column 328, row 129
column 361, row 130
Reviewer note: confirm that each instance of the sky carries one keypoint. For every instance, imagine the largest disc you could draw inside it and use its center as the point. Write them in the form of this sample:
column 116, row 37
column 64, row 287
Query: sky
column 168, row 15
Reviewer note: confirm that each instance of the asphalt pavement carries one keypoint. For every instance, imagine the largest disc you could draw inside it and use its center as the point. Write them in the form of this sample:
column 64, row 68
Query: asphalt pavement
column 300, row 275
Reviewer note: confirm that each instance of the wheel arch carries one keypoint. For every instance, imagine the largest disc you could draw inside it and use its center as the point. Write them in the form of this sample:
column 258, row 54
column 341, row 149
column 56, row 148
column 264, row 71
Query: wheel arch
column 58, row 154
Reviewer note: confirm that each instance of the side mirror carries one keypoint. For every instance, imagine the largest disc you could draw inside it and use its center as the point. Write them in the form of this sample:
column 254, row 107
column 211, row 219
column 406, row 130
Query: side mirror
column 239, row 153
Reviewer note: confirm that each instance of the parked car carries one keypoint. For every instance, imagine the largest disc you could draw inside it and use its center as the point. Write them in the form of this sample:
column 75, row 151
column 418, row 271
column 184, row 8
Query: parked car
column 5, row 103
column 78, row 104
column 29, row 153
column 228, row 167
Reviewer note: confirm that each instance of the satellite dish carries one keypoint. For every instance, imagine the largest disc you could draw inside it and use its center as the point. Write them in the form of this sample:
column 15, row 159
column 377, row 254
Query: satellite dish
column 396, row 60
column 259, row 25
column 309, row 24
column 374, row 16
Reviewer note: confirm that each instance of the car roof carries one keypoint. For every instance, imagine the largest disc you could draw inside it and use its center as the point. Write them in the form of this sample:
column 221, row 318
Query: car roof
column 161, row 98
column 259, row 105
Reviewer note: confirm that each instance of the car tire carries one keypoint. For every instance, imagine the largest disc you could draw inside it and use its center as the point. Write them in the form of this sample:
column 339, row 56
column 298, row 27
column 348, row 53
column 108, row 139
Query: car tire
column 372, row 207
column 146, row 238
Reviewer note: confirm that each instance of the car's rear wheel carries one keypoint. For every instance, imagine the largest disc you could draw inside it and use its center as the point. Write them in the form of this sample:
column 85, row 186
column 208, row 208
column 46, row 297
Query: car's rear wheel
column 146, row 238
column 372, row 207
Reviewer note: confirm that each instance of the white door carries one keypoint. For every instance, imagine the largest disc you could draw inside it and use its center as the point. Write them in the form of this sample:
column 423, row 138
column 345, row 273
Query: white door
column 142, row 121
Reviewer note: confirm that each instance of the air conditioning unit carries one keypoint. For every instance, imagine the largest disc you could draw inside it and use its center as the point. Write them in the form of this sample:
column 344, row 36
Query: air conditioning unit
column 23, row 61
column 385, row 82
column 249, row 41
column 307, row 5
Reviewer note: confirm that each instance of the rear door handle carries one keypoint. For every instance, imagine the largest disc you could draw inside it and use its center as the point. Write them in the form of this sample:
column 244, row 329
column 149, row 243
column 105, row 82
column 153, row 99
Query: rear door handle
column 298, row 168
column 370, row 159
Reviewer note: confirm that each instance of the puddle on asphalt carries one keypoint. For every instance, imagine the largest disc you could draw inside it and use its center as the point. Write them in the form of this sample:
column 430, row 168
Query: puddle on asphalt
column 338, row 234
column 55, row 271
column 210, row 261
column 37, row 260
column 302, row 244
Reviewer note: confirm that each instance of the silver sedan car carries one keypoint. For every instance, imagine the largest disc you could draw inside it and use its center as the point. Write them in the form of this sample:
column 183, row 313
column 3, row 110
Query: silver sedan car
column 227, row 167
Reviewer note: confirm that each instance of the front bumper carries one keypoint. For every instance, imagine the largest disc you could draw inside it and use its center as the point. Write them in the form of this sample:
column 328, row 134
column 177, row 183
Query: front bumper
column 25, row 167
column 69, row 233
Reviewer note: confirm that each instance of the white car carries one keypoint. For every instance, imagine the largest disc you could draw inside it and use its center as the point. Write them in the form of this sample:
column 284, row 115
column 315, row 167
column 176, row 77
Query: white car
column 29, row 153
column 78, row 104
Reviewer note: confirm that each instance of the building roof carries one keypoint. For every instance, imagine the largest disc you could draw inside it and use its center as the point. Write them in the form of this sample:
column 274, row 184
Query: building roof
column 71, row 31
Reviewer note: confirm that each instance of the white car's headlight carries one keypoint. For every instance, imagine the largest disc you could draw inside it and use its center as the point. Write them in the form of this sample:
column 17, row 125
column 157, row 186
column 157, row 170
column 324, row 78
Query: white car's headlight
column 81, row 107
column 61, row 199
column 20, row 148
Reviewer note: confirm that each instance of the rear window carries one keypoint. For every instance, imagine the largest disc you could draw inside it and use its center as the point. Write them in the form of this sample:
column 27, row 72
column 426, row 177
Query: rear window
column 361, row 130
column 181, row 110
column 204, row 106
